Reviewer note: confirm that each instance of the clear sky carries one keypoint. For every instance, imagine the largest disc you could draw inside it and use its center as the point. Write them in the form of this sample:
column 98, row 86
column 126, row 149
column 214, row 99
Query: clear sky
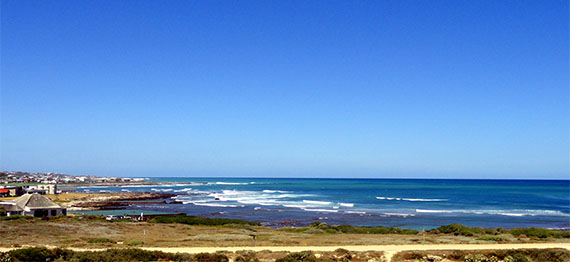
column 422, row 88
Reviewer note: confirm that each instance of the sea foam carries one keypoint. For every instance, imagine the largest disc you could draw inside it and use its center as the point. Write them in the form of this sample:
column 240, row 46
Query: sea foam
column 274, row 191
column 316, row 202
column 512, row 212
column 229, row 183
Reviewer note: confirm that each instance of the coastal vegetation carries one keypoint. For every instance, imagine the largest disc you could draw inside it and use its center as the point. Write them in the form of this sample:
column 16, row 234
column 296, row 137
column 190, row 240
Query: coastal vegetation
column 539, row 233
column 16, row 217
column 129, row 254
column 321, row 228
column 100, row 240
column 194, row 220
column 306, row 256
column 531, row 232
column 508, row 255
column 492, row 238
column 136, row 254
column 95, row 232
column 339, row 255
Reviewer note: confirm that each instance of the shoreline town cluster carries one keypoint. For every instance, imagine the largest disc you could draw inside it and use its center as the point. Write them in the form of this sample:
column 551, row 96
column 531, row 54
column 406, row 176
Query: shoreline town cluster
column 10, row 177
column 17, row 183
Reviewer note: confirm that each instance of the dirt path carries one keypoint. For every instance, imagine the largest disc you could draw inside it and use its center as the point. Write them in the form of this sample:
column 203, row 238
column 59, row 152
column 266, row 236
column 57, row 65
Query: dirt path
column 389, row 250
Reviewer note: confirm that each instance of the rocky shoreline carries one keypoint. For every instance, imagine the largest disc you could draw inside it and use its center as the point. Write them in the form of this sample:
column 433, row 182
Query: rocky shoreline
column 107, row 201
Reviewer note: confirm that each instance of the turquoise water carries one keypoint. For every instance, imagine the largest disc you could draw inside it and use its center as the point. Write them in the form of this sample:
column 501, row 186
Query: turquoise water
column 407, row 203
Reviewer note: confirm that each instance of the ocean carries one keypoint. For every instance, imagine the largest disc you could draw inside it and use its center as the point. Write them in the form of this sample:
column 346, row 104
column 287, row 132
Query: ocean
column 404, row 203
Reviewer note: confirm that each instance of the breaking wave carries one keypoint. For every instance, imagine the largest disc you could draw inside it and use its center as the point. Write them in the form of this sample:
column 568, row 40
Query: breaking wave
column 316, row 202
column 229, row 183
column 513, row 212
column 412, row 199
column 274, row 191
column 216, row 205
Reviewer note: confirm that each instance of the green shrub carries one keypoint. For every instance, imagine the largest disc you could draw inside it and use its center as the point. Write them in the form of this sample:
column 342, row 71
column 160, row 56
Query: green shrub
column 457, row 254
column 305, row 256
column 135, row 243
column 130, row 254
column 531, row 232
column 6, row 257
column 246, row 256
column 500, row 255
column 16, row 217
column 518, row 257
column 99, row 240
column 193, row 220
column 32, row 254
column 492, row 238
column 539, row 232
column 416, row 256
column 461, row 230
column 110, row 255
column 318, row 227
column 38, row 254
column 62, row 254
column 207, row 257
column 551, row 255
column 480, row 258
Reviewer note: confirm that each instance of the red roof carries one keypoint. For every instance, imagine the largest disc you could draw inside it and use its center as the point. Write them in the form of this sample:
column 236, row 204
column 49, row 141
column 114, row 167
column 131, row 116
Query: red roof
column 3, row 190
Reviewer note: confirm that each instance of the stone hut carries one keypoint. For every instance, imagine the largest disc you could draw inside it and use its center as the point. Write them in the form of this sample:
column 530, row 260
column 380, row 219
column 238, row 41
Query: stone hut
column 39, row 206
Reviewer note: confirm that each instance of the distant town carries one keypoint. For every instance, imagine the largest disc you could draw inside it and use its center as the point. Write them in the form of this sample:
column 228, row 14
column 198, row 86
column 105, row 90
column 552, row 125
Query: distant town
column 11, row 177
column 17, row 183
column 38, row 194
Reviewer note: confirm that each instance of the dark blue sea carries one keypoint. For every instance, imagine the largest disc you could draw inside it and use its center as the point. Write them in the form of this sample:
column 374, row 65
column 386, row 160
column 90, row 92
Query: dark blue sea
column 405, row 203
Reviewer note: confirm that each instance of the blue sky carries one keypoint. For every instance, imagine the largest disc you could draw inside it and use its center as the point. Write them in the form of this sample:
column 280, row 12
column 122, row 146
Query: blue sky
column 462, row 89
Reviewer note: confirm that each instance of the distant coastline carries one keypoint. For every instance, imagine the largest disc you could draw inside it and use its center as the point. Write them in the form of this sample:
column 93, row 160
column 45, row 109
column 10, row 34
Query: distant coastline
column 407, row 203
column 404, row 203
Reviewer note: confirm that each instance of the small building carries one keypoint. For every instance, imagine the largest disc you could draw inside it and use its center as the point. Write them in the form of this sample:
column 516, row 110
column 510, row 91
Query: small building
column 39, row 206
column 42, row 189
column 11, row 191
column 49, row 189
column 4, row 192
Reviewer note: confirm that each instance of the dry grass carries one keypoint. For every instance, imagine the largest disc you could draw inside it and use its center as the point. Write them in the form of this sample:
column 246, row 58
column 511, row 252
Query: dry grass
column 72, row 233
column 7, row 198
column 66, row 197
